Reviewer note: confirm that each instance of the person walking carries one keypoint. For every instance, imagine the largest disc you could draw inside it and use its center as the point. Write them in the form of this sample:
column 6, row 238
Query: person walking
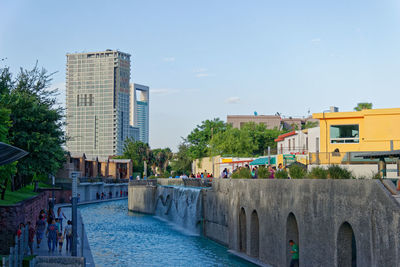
column 51, row 233
column 68, row 235
column 31, row 236
column 294, row 250
column 60, row 216
column 40, row 228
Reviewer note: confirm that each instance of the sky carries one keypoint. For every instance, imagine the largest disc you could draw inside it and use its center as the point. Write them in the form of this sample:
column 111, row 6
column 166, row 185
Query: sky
column 207, row 59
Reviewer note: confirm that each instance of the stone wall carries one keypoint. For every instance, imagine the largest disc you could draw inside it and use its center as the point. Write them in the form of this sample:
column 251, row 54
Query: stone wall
column 142, row 198
column 310, row 212
column 87, row 191
column 12, row 215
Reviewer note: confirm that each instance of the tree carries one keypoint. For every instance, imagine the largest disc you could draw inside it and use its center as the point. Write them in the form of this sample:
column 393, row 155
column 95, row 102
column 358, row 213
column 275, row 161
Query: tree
column 362, row 106
column 250, row 140
column 36, row 123
column 182, row 163
column 310, row 124
column 161, row 158
column 198, row 139
column 8, row 170
column 138, row 152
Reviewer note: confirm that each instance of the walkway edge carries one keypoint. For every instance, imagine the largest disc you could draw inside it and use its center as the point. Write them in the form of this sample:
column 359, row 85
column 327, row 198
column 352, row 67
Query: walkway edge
column 248, row 258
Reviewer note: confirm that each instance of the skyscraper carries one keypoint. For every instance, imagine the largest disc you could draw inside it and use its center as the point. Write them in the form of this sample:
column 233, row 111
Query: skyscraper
column 140, row 110
column 98, row 102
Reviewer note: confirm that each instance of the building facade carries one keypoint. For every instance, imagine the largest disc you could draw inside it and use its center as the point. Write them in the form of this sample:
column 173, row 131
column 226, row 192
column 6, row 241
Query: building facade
column 98, row 102
column 366, row 130
column 140, row 110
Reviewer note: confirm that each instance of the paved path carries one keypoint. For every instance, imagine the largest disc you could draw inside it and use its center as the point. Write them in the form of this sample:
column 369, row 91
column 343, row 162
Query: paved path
column 66, row 208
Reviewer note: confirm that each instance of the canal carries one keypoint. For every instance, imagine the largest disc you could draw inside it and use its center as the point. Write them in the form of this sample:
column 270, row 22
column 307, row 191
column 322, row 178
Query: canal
column 119, row 237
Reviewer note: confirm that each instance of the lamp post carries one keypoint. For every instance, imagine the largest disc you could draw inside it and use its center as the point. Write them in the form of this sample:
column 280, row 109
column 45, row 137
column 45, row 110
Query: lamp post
column 74, row 214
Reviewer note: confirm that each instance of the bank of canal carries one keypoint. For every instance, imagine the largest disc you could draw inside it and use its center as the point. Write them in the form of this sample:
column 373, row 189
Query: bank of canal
column 119, row 237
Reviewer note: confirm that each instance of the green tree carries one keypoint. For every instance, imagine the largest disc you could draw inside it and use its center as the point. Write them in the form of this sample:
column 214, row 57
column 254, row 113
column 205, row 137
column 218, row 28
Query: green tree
column 8, row 170
column 36, row 123
column 198, row 140
column 310, row 124
column 138, row 152
column 251, row 140
column 181, row 162
column 363, row 105
column 161, row 158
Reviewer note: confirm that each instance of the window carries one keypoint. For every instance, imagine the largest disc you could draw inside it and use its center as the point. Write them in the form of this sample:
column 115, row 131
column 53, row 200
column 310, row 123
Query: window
column 345, row 133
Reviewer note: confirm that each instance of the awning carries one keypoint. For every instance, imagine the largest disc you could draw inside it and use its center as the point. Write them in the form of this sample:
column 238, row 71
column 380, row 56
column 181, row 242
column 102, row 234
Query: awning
column 10, row 153
column 263, row 161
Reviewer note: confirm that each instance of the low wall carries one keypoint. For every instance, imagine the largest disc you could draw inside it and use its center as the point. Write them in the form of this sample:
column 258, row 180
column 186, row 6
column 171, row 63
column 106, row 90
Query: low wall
column 47, row 261
column 142, row 198
column 363, row 170
column 170, row 181
column 12, row 215
column 88, row 191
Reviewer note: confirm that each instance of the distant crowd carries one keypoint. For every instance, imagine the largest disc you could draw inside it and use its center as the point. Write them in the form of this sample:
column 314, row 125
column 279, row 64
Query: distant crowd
column 109, row 195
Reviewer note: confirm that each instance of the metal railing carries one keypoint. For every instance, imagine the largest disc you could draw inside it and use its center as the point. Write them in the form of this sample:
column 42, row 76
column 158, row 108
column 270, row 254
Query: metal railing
column 19, row 250
column 102, row 180
column 150, row 182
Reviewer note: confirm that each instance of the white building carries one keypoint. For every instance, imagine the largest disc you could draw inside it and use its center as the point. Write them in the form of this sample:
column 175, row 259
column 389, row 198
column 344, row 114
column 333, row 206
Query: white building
column 299, row 142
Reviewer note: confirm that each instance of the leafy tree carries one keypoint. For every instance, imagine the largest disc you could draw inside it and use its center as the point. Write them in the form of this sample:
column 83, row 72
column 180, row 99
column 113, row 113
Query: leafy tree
column 198, row 140
column 310, row 124
column 8, row 170
column 181, row 162
column 36, row 124
column 251, row 140
column 363, row 105
column 138, row 152
column 161, row 158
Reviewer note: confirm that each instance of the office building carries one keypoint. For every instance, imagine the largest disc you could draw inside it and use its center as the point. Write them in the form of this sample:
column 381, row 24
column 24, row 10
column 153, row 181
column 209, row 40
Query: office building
column 140, row 110
column 98, row 103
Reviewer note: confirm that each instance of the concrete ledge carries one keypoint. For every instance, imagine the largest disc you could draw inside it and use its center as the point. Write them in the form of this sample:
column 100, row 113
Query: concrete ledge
column 248, row 258
column 47, row 261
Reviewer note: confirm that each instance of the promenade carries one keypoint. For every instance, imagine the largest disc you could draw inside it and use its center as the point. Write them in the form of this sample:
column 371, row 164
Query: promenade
column 67, row 209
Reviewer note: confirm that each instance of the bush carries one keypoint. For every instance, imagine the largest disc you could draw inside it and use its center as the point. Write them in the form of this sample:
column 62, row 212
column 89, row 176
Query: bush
column 297, row 172
column 263, row 172
column 242, row 173
column 281, row 174
column 337, row 172
column 318, row 173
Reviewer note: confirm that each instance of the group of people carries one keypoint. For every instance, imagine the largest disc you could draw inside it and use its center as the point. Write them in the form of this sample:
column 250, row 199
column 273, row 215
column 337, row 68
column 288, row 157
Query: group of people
column 49, row 224
column 103, row 195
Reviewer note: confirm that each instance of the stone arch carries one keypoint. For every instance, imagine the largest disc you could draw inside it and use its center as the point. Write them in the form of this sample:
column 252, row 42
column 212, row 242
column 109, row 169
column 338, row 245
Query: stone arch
column 346, row 247
column 292, row 233
column 242, row 231
column 254, row 235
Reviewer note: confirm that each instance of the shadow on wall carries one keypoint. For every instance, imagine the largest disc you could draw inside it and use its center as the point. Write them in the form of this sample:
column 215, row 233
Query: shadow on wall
column 292, row 233
column 254, row 235
column 346, row 246
column 242, row 231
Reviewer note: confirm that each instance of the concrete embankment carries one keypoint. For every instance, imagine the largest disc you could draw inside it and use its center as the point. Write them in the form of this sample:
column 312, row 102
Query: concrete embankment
column 335, row 222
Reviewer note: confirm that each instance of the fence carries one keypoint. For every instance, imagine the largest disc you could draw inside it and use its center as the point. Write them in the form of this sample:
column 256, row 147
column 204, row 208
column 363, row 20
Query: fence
column 103, row 180
column 329, row 158
column 19, row 250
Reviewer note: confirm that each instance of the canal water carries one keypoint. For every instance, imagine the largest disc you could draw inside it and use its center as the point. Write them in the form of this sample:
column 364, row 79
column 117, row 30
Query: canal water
column 119, row 237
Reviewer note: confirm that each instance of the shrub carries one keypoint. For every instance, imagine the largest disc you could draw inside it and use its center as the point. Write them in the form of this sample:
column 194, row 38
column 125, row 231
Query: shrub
column 337, row 172
column 281, row 174
column 297, row 172
column 318, row 173
column 242, row 173
column 263, row 172
column 376, row 175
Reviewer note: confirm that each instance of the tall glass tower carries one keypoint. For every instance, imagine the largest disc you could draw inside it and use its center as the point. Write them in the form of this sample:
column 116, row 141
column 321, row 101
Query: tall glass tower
column 98, row 103
column 140, row 110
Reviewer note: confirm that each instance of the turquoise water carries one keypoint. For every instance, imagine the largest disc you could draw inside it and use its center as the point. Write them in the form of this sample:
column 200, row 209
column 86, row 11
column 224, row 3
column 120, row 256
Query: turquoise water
column 118, row 237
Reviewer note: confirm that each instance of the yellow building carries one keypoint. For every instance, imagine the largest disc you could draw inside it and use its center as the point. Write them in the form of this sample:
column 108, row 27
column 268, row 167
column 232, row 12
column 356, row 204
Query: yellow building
column 358, row 131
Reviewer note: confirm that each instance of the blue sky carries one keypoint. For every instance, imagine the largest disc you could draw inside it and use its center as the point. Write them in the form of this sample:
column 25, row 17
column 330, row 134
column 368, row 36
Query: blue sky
column 206, row 59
